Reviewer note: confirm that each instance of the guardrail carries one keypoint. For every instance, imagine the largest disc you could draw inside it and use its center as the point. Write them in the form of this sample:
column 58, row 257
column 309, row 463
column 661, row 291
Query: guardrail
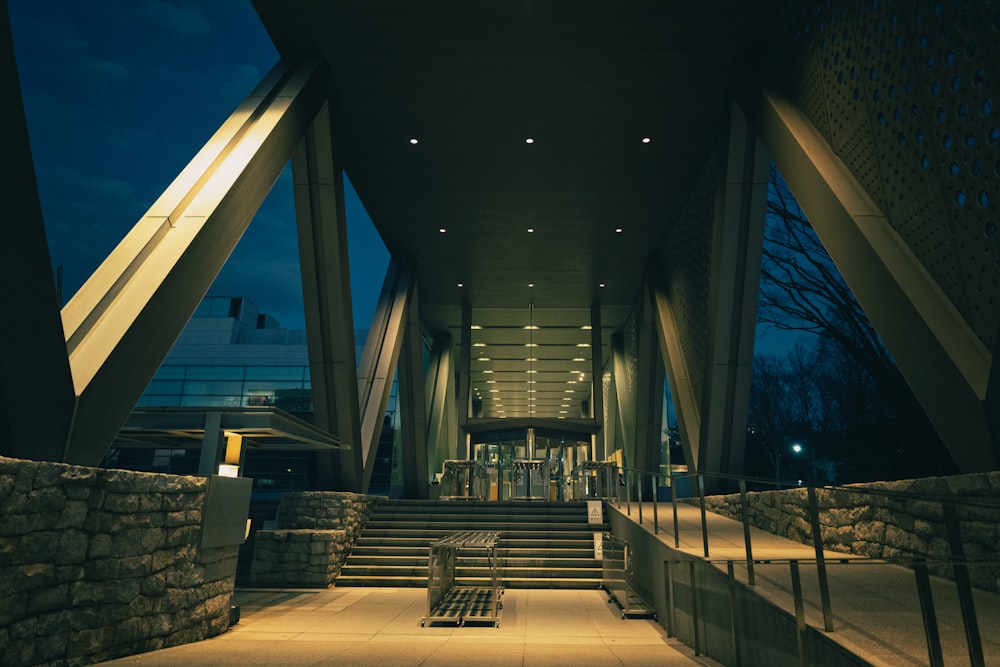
column 634, row 484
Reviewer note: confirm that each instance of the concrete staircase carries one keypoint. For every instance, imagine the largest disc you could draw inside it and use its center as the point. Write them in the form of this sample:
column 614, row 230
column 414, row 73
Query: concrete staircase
column 541, row 545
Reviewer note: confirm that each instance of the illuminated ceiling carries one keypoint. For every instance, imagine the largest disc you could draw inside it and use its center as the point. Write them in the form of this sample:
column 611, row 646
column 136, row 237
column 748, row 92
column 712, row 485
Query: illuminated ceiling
column 530, row 157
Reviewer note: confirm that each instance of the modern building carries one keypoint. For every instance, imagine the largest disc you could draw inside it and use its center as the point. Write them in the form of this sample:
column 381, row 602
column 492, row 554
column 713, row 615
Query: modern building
column 573, row 199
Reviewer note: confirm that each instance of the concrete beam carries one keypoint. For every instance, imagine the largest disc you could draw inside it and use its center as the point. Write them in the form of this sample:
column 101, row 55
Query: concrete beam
column 326, row 291
column 942, row 359
column 125, row 318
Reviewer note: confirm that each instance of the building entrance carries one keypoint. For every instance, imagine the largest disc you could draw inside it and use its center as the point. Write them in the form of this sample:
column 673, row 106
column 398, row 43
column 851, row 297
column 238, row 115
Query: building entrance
column 529, row 464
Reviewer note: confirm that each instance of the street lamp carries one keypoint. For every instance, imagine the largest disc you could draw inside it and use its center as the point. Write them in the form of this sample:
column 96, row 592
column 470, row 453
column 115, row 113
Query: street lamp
column 797, row 448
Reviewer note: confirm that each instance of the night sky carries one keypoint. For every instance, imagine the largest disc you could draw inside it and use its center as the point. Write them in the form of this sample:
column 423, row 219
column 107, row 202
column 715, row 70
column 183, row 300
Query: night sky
column 119, row 96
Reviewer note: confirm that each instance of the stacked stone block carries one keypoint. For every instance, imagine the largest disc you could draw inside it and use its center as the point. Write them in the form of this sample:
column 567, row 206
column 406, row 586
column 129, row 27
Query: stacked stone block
column 317, row 531
column 97, row 564
column 887, row 527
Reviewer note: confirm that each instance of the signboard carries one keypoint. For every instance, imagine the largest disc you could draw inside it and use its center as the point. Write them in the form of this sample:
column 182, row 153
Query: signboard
column 598, row 546
column 595, row 511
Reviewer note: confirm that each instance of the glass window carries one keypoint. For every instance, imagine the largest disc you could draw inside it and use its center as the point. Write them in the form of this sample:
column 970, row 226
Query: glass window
column 165, row 387
column 214, row 373
column 274, row 373
column 206, row 388
column 170, row 373
column 211, row 401
column 158, row 400
column 270, row 387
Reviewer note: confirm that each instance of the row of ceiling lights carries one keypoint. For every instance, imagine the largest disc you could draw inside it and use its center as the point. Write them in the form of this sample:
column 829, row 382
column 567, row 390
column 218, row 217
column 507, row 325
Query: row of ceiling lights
column 530, row 140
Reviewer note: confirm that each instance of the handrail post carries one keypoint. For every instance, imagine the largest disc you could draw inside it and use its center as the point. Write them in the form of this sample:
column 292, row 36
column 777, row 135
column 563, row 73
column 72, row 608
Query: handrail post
column 694, row 608
column 656, row 516
column 800, row 612
column 638, row 489
column 751, row 578
column 965, row 600
column 927, row 613
column 824, row 586
column 734, row 616
column 673, row 501
column 628, row 493
column 704, row 518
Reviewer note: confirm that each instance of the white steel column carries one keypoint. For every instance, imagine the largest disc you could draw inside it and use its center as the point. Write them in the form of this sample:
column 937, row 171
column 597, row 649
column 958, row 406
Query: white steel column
column 326, row 292
column 125, row 318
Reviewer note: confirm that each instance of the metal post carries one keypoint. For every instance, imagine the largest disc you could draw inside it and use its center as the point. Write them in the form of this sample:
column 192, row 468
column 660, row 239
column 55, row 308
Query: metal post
column 694, row 609
column 673, row 501
column 734, row 616
column 824, row 586
column 668, row 583
column 638, row 489
column 751, row 579
column 628, row 495
column 964, row 588
column 928, row 615
column 704, row 519
column 800, row 614
column 656, row 516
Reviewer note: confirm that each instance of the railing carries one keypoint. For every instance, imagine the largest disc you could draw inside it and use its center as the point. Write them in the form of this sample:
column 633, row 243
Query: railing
column 635, row 484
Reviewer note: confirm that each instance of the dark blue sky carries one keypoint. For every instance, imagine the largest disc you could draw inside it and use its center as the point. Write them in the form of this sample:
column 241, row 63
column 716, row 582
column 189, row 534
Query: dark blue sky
column 119, row 96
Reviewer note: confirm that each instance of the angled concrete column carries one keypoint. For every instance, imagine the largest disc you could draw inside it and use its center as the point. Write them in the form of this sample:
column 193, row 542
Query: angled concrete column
column 36, row 388
column 597, row 381
column 942, row 359
column 124, row 319
column 462, row 390
column 380, row 357
column 326, row 292
column 211, row 445
column 687, row 404
column 624, row 401
column 649, row 401
column 413, row 404
column 440, row 392
column 735, row 283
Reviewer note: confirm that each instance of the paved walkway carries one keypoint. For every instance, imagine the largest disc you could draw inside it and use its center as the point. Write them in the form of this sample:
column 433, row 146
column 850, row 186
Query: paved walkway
column 381, row 626
column 875, row 613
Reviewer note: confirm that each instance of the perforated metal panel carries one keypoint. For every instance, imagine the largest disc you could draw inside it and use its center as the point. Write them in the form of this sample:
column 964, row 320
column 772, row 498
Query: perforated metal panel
column 687, row 258
column 907, row 94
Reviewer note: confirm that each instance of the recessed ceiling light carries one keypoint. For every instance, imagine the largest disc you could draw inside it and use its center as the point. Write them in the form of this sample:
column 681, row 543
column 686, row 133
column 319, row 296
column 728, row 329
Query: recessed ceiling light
column 601, row 285
column 532, row 382
column 586, row 327
column 461, row 285
column 618, row 230
column 569, row 391
column 494, row 391
column 531, row 230
column 531, row 284
column 479, row 345
column 578, row 359
column 491, row 382
column 487, row 371
column 475, row 326
column 530, row 326
column 562, row 412
column 583, row 344
column 442, row 230
column 529, row 140
column 483, row 359
column 570, row 381
column 531, row 359
column 646, row 140
column 531, row 344
column 531, row 371
column 414, row 141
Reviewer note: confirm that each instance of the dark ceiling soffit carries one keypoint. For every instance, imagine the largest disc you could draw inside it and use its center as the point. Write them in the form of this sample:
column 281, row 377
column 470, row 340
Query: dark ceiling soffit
column 582, row 426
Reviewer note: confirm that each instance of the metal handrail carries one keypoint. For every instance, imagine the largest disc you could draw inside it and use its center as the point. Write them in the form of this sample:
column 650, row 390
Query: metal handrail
column 634, row 479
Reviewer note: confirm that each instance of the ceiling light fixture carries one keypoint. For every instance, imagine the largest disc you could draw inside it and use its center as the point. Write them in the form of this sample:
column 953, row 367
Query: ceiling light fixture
column 646, row 140
column 618, row 230
column 442, row 230
column 414, row 141
column 531, row 230
column 461, row 284
column 479, row 345
column 583, row 344
column 529, row 140
column 578, row 359
column 487, row 371
column 601, row 285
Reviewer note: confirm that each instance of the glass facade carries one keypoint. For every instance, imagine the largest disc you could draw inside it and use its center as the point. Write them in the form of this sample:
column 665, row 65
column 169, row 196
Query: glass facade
column 208, row 386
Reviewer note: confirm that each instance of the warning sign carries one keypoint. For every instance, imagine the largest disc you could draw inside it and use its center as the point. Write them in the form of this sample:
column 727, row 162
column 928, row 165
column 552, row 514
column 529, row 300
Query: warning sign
column 595, row 512
column 598, row 546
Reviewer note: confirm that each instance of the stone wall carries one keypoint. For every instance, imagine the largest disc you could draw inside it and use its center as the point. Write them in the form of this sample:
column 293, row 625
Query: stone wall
column 317, row 531
column 886, row 526
column 97, row 564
